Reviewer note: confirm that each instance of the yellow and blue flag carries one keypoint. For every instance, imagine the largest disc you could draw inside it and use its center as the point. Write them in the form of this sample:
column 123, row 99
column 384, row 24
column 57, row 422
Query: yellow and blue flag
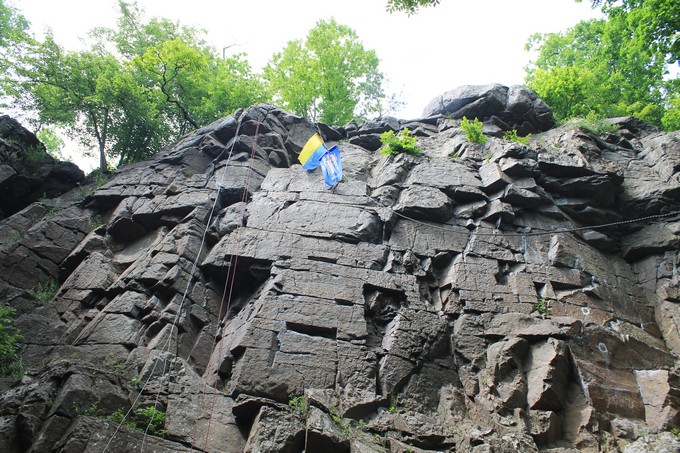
column 315, row 154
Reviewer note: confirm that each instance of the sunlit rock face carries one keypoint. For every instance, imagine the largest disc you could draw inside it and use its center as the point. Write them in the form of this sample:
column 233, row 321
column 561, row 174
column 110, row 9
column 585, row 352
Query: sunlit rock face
column 469, row 299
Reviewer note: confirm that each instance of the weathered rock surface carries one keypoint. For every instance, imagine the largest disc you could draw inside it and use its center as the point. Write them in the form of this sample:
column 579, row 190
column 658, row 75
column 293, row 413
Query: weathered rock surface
column 437, row 303
column 27, row 172
column 501, row 108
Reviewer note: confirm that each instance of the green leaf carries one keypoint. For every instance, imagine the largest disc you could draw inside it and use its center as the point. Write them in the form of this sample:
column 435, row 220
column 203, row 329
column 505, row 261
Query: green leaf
column 327, row 76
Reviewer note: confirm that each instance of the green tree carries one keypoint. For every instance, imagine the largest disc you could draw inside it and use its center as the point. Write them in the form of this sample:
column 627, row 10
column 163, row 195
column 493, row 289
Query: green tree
column 671, row 118
column 329, row 76
column 599, row 66
column 654, row 22
column 13, row 40
column 53, row 143
column 409, row 6
column 179, row 80
column 136, row 88
column 68, row 89
column 13, row 26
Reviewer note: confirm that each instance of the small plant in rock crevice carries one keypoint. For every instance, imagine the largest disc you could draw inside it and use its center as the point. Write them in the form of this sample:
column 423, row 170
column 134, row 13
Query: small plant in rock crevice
column 34, row 157
column 45, row 291
column 473, row 130
column 299, row 405
column 381, row 440
column 595, row 124
column 543, row 307
column 114, row 364
column 147, row 419
column 98, row 177
column 136, row 383
column 52, row 210
column 94, row 222
column 512, row 136
column 393, row 404
column 397, row 144
column 334, row 414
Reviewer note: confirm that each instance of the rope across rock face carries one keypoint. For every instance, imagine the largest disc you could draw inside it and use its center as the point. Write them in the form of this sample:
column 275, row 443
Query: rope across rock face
column 538, row 233
column 229, row 282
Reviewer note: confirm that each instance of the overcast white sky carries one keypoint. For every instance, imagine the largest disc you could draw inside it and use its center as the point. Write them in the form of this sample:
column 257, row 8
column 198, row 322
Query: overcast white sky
column 457, row 43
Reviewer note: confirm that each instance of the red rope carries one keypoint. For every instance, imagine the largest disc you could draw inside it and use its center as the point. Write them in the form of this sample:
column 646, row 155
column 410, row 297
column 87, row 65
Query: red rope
column 231, row 278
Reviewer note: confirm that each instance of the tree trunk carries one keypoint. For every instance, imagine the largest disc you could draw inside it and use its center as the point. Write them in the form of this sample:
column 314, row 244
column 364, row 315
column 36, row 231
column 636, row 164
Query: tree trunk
column 103, row 165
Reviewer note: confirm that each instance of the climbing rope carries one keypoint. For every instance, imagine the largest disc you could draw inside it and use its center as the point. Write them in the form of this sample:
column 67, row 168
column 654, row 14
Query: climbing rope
column 166, row 346
column 220, row 185
column 539, row 233
column 231, row 277
column 496, row 233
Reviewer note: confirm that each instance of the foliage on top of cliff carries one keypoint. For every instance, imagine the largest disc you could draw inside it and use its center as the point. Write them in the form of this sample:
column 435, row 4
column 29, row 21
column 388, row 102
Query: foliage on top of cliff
column 616, row 66
column 145, row 83
column 13, row 26
column 327, row 76
column 136, row 88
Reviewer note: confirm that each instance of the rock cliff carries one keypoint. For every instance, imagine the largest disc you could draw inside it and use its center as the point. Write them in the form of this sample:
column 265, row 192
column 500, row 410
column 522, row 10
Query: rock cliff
column 484, row 298
column 27, row 172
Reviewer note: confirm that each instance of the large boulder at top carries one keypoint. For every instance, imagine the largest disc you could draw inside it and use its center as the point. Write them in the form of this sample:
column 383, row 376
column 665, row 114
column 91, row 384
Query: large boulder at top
column 516, row 107
column 27, row 172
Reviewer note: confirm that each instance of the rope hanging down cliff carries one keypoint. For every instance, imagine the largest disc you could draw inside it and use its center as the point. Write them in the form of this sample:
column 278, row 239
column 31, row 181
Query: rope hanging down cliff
column 230, row 280
column 166, row 346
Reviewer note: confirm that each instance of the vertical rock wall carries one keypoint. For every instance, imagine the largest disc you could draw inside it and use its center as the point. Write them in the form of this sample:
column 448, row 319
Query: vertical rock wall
column 433, row 303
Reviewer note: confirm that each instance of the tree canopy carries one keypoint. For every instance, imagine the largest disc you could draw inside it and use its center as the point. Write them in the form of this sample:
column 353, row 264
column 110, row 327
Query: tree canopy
column 13, row 26
column 145, row 83
column 136, row 87
column 610, row 67
column 329, row 76
column 409, row 6
column 654, row 22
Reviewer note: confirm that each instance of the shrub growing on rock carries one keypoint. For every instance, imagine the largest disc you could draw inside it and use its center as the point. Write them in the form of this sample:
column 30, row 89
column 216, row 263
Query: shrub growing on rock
column 396, row 144
column 45, row 291
column 473, row 130
column 512, row 136
column 595, row 124
column 148, row 419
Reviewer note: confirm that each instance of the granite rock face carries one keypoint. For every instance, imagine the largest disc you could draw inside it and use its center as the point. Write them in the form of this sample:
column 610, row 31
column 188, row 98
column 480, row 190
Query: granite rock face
column 501, row 108
column 495, row 301
column 27, row 172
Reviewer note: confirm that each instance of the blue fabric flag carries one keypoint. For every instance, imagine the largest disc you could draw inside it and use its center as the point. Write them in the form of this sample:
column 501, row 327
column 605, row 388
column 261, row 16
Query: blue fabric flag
column 331, row 167
column 315, row 154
